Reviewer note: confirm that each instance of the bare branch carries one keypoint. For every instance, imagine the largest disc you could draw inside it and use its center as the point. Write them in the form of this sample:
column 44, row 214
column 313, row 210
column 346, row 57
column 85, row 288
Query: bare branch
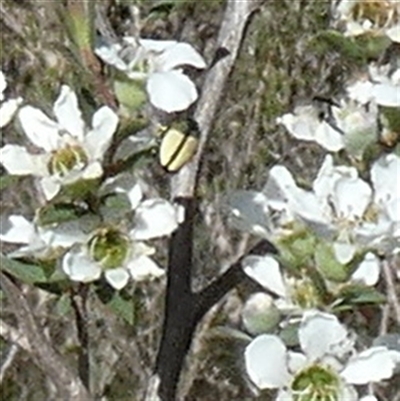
column 230, row 36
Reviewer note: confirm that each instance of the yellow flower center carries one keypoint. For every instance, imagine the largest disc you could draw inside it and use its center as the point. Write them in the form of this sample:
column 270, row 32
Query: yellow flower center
column 66, row 159
column 316, row 383
column 379, row 12
column 109, row 247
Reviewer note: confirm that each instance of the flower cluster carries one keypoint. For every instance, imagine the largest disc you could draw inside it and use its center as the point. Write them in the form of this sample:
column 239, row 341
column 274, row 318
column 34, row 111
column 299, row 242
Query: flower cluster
column 69, row 155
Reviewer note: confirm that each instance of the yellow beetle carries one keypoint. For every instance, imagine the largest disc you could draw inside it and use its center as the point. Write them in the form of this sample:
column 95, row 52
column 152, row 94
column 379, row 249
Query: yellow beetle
column 178, row 144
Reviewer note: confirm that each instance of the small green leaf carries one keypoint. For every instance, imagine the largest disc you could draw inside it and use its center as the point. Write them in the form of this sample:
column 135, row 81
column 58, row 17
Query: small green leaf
column 59, row 213
column 359, row 294
column 327, row 264
column 130, row 94
column 63, row 305
column 28, row 273
column 123, row 307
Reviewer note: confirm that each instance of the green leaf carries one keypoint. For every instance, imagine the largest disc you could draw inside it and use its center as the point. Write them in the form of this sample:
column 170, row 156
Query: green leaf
column 327, row 264
column 28, row 273
column 63, row 305
column 59, row 213
column 359, row 294
column 130, row 94
column 123, row 307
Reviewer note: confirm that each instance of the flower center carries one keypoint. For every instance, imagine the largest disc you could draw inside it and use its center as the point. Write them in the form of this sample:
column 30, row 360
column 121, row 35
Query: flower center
column 379, row 12
column 305, row 294
column 315, row 383
column 64, row 160
column 109, row 247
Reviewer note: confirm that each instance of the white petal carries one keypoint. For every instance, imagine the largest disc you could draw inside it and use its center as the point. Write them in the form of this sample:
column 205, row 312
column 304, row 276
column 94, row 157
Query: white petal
column 143, row 268
column 368, row 270
column 93, row 170
column 171, row 91
column 3, row 85
column 17, row 230
column 154, row 218
column 296, row 361
column 104, row 124
column 322, row 334
column 384, row 175
column 344, row 251
column 7, row 110
column 180, row 54
column 394, row 33
column 302, row 124
column 135, row 196
column 329, row 138
column 265, row 359
column 266, row 271
column 346, row 204
column 67, row 111
column 387, row 95
column 79, row 267
column 40, row 130
column 361, row 91
column 249, row 212
column 156, row 46
column 284, row 395
column 373, row 365
column 117, row 278
column 50, row 187
column 17, row 161
column 110, row 55
column 369, row 398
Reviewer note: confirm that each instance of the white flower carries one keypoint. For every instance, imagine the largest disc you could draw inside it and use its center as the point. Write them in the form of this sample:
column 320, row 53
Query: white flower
column 332, row 210
column 293, row 294
column 305, row 124
column 7, row 107
column 382, row 87
column 71, row 152
column 374, row 18
column 347, row 123
column 118, row 251
column 167, row 87
column 318, row 372
column 39, row 241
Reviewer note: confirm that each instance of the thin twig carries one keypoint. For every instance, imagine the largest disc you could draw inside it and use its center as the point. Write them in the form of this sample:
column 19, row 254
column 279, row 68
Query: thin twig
column 7, row 361
column 69, row 386
column 391, row 289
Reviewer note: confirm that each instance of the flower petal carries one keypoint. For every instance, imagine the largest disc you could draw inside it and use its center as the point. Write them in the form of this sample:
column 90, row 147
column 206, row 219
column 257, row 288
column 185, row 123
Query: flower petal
column 17, row 161
column 143, row 268
column 373, row 365
column 344, row 251
column 368, row 270
column 154, row 218
column 40, row 130
column 17, row 230
column 265, row 359
column 178, row 55
column 50, row 187
column 67, row 111
column 322, row 334
column 117, row 278
column 248, row 212
column 79, row 267
column 266, row 271
column 386, row 95
column 3, row 84
column 171, row 91
column 346, row 204
column 104, row 124
column 7, row 110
